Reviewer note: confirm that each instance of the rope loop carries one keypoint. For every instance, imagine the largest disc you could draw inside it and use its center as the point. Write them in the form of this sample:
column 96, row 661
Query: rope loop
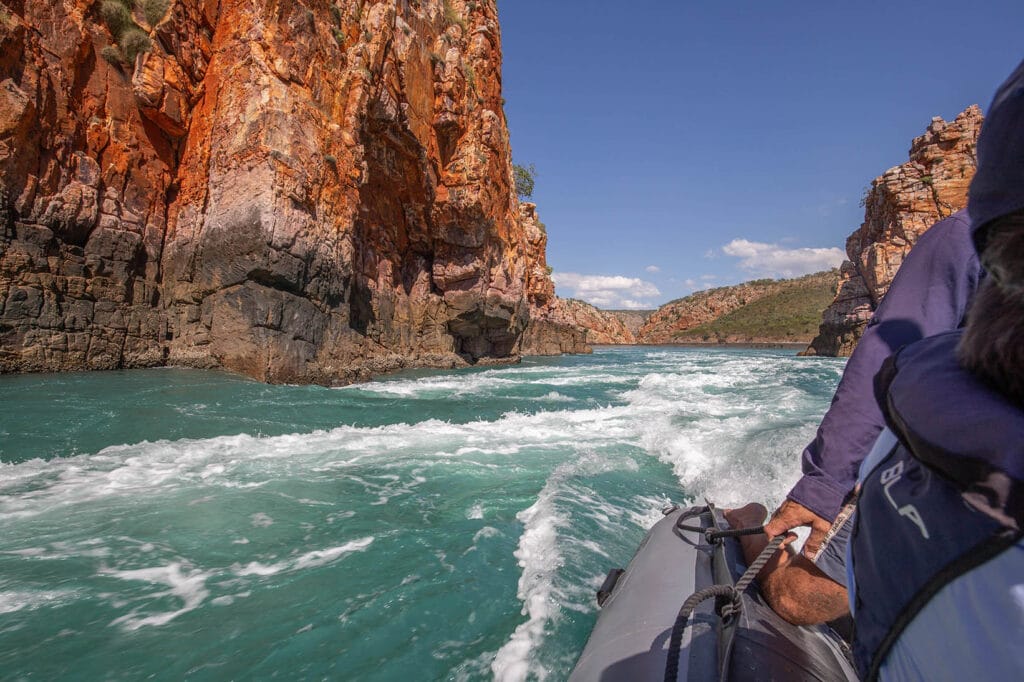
column 734, row 607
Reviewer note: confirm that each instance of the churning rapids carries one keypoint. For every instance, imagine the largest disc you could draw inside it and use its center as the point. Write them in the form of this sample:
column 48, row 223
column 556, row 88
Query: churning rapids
column 169, row 524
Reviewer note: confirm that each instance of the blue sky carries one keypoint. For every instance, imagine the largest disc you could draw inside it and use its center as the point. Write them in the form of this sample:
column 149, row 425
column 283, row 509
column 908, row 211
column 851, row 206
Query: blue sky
column 686, row 144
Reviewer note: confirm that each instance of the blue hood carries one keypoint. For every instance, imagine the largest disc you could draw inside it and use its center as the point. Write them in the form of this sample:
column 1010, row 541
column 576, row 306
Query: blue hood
column 998, row 185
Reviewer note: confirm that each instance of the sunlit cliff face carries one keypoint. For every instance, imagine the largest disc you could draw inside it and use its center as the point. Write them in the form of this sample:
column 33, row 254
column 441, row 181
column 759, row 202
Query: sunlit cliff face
column 899, row 207
column 297, row 191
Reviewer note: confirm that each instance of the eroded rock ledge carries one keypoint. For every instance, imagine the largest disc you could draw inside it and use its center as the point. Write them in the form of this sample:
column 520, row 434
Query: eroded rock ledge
column 900, row 206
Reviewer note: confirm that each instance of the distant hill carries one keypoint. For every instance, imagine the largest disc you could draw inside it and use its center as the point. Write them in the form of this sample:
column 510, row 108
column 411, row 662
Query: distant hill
column 603, row 326
column 632, row 319
column 760, row 311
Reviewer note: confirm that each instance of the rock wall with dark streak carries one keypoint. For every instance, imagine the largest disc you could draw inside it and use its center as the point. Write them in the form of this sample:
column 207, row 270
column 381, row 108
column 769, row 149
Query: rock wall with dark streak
column 298, row 190
column 899, row 207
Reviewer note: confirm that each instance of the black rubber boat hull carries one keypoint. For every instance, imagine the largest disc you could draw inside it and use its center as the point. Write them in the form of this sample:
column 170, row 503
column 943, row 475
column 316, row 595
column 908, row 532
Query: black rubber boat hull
column 630, row 640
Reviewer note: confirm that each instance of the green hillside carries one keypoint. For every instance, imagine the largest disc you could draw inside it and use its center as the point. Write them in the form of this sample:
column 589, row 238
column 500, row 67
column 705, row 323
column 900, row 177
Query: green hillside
column 792, row 313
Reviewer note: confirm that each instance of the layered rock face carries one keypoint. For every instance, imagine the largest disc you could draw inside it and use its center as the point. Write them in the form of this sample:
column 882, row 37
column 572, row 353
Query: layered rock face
column 603, row 326
column 298, row 190
column 632, row 320
column 900, row 206
column 551, row 330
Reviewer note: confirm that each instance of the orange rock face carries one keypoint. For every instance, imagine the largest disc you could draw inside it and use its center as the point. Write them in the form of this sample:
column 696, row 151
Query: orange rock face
column 900, row 206
column 603, row 326
column 298, row 191
column 551, row 330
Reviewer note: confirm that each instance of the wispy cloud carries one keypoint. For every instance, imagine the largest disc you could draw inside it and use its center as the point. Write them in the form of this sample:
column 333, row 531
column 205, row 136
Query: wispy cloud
column 652, row 269
column 607, row 291
column 776, row 261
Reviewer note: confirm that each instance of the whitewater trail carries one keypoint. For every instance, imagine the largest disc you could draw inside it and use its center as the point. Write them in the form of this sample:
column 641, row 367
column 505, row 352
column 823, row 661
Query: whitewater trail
column 492, row 500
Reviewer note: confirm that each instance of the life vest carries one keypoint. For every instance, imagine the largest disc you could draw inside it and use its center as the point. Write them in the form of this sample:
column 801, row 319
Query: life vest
column 945, row 500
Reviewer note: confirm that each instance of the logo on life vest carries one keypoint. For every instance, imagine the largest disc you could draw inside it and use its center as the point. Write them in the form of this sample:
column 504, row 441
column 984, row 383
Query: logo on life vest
column 891, row 477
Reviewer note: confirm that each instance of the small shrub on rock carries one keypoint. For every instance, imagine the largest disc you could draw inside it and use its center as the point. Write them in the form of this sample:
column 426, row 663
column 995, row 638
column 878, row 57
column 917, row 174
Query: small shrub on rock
column 154, row 10
column 112, row 55
column 133, row 42
column 451, row 17
column 116, row 17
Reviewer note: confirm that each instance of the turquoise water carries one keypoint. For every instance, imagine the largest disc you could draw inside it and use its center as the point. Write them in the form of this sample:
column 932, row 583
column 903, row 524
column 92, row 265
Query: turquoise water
column 173, row 524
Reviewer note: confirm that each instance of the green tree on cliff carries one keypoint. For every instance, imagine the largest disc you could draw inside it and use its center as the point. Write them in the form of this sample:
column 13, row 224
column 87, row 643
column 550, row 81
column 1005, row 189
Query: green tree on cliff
column 525, row 176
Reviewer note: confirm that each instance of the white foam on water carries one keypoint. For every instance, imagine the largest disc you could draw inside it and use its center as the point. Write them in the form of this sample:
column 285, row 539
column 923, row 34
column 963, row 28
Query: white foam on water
column 241, row 462
column 313, row 559
column 28, row 600
column 322, row 557
column 261, row 520
column 27, row 552
column 475, row 512
column 492, row 381
column 693, row 416
column 187, row 585
column 650, row 512
column 448, row 385
column 728, row 446
column 486, row 532
column 540, row 557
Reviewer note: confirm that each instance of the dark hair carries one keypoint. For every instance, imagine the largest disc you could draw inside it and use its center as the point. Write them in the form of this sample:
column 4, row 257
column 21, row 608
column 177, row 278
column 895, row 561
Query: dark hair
column 992, row 346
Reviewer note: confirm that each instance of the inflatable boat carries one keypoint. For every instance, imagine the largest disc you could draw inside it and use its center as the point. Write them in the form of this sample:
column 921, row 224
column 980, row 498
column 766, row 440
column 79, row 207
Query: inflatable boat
column 644, row 633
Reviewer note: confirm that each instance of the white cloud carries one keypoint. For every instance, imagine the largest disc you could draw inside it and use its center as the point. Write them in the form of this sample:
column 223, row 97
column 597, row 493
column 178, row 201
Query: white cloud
column 607, row 291
column 652, row 269
column 773, row 260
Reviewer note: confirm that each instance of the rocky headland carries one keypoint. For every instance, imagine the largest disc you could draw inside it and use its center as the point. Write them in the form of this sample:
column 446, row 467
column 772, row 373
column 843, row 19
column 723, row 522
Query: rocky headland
column 297, row 191
column 550, row 330
column 899, row 207
column 764, row 311
column 603, row 326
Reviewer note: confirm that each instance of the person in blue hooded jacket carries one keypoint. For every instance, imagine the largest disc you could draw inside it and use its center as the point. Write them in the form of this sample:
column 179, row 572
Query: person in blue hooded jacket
column 931, row 293
column 935, row 559
column 934, row 555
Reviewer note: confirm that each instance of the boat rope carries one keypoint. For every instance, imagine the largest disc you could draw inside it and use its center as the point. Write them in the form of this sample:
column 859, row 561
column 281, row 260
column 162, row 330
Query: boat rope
column 733, row 592
column 676, row 641
column 755, row 567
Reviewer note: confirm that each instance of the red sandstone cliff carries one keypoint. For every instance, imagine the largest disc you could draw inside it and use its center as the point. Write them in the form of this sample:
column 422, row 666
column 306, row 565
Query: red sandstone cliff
column 900, row 206
column 603, row 326
column 299, row 190
column 550, row 330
